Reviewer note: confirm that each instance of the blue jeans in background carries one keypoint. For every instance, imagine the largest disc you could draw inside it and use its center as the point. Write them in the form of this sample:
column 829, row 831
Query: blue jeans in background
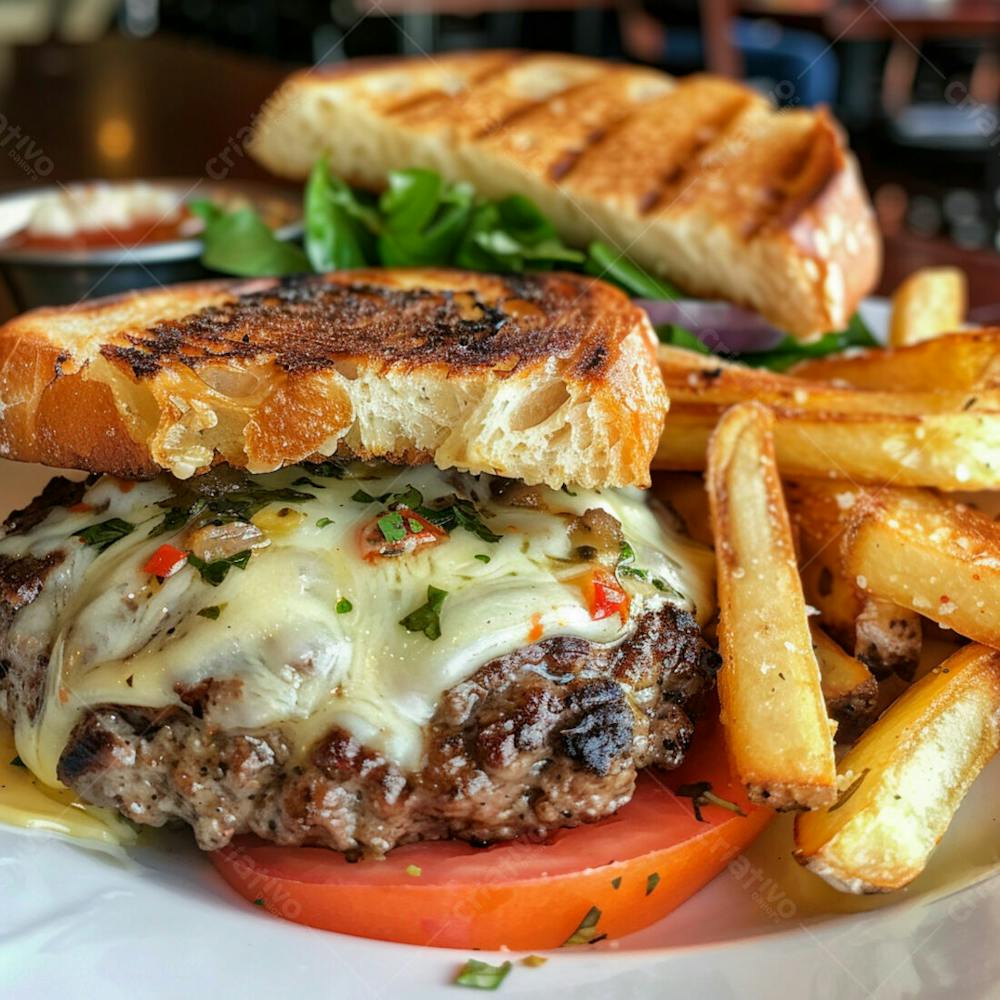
column 800, row 67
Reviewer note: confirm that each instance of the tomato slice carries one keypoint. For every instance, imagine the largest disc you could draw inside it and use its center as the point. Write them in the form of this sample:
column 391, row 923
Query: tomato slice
column 634, row 867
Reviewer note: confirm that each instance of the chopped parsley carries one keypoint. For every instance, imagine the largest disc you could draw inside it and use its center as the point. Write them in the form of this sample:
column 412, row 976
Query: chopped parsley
column 212, row 613
column 221, row 497
column 414, row 870
column 700, row 793
column 586, row 933
column 392, row 527
column 446, row 513
column 482, row 557
column 616, row 883
column 323, row 522
column 103, row 535
column 427, row 618
column 344, row 606
column 17, row 762
column 175, row 517
column 215, row 572
column 481, row 975
column 258, row 901
column 652, row 881
column 849, row 791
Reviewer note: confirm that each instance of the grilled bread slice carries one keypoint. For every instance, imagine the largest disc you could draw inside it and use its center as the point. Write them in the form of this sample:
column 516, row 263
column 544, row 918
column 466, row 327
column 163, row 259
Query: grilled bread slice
column 549, row 379
column 697, row 179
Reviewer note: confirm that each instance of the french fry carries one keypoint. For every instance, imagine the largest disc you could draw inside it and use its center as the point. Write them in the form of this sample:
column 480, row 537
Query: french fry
column 959, row 362
column 946, row 439
column 777, row 731
column 888, row 638
column 905, row 778
column 929, row 302
column 938, row 557
column 885, row 637
column 849, row 688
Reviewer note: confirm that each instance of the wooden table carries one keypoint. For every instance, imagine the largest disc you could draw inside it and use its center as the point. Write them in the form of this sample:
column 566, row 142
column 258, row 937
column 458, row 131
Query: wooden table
column 163, row 107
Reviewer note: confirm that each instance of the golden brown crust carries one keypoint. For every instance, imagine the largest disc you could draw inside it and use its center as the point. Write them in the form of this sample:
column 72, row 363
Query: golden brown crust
column 701, row 179
column 547, row 378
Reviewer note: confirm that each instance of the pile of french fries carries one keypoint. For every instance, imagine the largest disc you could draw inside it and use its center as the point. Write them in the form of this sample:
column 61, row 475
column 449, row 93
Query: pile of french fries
column 840, row 544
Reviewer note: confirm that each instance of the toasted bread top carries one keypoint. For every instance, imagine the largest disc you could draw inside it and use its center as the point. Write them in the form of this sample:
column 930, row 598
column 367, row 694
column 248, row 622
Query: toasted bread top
column 547, row 378
column 699, row 179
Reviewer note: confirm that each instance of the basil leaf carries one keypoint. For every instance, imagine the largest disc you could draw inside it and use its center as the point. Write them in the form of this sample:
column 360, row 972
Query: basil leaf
column 335, row 236
column 241, row 243
column 513, row 235
column 103, row 535
column 482, row 975
column 603, row 261
column 213, row 573
column 427, row 618
column 425, row 219
column 411, row 200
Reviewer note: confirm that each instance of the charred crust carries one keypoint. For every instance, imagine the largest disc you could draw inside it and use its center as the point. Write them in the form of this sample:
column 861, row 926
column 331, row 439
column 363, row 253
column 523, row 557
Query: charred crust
column 309, row 323
column 22, row 579
column 58, row 492
column 603, row 729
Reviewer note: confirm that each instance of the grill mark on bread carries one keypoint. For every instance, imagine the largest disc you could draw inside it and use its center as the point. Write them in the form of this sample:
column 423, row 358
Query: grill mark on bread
column 310, row 323
column 414, row 103
column 529, row 107
column 693, row 158
column 802, row 177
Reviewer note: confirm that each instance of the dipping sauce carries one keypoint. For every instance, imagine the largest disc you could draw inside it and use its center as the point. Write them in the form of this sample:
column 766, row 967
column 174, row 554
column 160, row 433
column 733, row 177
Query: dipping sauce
column 115, row 215
column 105, row 216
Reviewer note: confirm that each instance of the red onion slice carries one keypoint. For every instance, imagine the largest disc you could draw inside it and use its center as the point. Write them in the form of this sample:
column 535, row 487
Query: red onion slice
column 722, row 327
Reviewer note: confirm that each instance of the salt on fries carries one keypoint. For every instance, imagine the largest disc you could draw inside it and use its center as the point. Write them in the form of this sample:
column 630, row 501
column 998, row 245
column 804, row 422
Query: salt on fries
column 904, row 779
column 886, row 637
column 777, row 731
column 949, row 439
column 966, row 362
column 933, row 555
column 930, row 302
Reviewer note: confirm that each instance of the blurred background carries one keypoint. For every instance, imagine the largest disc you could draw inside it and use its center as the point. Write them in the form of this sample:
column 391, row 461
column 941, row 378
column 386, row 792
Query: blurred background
column 161, row 88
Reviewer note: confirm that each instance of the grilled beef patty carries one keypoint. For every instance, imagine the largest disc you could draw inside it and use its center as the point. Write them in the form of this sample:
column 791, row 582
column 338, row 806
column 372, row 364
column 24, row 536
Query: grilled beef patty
column 549, row 736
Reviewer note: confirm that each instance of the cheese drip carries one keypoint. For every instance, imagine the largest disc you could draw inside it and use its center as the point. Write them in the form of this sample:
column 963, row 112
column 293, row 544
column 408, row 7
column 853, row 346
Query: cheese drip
column 279, row 629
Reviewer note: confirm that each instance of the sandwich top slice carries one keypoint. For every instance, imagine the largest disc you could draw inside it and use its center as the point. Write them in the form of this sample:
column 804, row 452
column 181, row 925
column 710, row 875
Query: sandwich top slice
column 699, row 179
column 347, row 651
column 549, row 379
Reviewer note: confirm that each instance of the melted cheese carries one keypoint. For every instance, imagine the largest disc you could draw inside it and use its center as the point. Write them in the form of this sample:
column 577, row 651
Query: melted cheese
column 119, row 636
column 26, row 802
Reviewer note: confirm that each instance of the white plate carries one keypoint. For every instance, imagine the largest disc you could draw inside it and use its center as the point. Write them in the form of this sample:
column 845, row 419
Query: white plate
column 78, row 924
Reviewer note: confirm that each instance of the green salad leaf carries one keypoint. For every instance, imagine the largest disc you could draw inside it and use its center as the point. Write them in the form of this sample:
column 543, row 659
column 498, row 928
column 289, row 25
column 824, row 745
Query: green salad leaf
column 422, row 220
column 241, row 243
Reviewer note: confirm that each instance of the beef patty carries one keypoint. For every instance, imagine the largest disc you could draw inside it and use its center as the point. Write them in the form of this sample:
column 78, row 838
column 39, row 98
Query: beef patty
column 549, row 736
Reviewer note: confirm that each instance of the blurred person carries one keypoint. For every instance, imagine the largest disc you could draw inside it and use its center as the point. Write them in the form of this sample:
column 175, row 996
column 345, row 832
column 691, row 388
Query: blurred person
column 799, row 65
